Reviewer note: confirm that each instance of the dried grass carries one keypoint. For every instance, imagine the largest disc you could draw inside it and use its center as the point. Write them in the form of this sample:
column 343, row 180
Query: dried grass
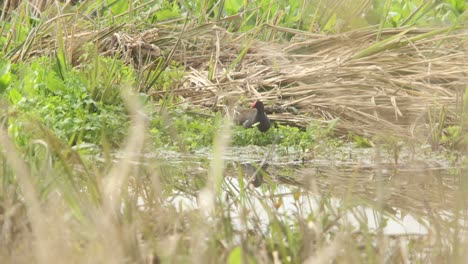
column 371, row 86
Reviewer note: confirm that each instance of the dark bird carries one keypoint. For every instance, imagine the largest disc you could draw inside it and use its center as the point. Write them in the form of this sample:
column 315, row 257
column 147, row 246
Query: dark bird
column 255, row 114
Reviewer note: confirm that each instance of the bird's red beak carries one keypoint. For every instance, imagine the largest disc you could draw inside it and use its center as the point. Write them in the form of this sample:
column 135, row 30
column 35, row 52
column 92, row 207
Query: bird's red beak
column 253, row 105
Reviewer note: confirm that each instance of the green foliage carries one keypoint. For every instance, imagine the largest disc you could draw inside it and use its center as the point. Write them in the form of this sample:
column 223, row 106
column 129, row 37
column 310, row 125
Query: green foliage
column 287, row 137
column 392, row 145
column 325, row 16
column 166, row 10
column 360, row 141
column 293, row 137
column 419, row 12
column 293, row 14
column 103, row 77
column 169, row 78
column 437, row 120
column 118, row 6
column 244, row 137
column 236, row 256
column 5, row 76
column 63, row 103
column 455, row 139
column 233, row 6
column 175, row 129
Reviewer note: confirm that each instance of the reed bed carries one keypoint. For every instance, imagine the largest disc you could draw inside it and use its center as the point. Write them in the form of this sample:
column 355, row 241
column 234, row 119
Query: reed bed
column 371, row 80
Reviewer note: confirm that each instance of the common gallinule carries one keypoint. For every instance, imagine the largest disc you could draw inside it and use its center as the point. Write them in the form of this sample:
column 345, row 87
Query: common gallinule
column 255, row 114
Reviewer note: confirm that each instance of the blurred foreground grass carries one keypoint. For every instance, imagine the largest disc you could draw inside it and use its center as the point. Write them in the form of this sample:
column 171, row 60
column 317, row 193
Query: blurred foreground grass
column 76, row 187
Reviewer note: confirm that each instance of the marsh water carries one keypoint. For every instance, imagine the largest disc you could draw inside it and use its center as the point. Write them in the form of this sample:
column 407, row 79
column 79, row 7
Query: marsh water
column 403, row 196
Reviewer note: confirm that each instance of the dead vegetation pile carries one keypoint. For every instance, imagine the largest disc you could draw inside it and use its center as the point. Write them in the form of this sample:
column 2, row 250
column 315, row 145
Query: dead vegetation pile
column 395, row 81
column 394, row 85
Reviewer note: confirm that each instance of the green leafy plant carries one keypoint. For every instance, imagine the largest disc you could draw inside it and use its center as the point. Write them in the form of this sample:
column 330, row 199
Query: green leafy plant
column 418, row 12
column 166, row 10
column 63, row 103
column 5, row 76
column 174, row 128
column 455, row 139
column 360, row 141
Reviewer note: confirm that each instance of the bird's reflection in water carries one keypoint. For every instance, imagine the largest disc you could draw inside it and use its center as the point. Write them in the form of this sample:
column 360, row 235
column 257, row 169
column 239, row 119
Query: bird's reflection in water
column 254, row 173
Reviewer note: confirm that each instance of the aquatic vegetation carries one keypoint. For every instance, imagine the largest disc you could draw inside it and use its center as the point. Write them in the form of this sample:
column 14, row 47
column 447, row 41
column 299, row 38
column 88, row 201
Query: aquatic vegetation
column 117, row 142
